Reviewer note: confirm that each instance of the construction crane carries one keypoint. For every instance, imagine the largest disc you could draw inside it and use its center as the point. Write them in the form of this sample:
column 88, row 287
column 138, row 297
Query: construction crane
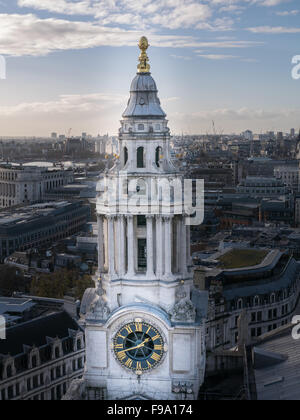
column 69, row 133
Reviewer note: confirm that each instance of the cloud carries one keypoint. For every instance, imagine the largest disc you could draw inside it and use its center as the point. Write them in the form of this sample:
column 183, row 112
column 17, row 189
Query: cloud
column 229, row 44
column 172, row 14
column 245, row 114
column 66, row 104
column 181, row 57
column 217, row 56
column 288, row 13
column 273, row 30
column 30, row 35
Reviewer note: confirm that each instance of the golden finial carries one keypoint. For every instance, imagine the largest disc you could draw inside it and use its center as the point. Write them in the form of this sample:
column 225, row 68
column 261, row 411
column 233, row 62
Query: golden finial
column 144, row 66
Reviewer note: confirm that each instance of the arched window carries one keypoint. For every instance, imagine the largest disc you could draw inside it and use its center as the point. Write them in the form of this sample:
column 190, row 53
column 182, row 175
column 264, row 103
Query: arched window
column 273, row 298
column 140, row 157
column 78, row 344
column 57, row 353
column 256, row 301
column 240, row 304
column 158, row 155
column 125, row 155
column 34, row 362
column 9, row 371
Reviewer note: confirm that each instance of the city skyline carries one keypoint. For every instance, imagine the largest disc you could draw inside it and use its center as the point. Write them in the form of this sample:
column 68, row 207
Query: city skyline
column 69, row 64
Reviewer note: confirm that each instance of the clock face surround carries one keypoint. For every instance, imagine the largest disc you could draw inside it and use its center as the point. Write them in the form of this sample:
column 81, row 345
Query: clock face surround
column 138, row 346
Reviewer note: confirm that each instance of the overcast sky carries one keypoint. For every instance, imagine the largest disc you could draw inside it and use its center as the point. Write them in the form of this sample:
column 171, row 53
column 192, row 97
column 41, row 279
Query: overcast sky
column 70, row 63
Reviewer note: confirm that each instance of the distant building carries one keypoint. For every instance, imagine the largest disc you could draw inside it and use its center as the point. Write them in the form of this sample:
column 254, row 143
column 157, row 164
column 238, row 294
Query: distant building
column 54, row 136
column 262, row 187
column 75, row 145
column 40, row 225
column 279, row 136
column 248, row 135
column 289, row 174
column 100, row 144
column 29, row 184
column 40, row 358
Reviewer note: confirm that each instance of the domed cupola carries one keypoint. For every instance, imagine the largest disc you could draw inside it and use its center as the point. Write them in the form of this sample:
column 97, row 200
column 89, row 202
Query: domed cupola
column 144, row 102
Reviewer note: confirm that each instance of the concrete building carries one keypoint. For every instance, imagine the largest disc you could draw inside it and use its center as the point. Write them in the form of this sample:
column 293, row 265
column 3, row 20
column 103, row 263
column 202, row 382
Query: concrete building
column 144, row 321
column 28, row 184
column 40, row 358
column 40, row 225
column 289, row 175
column 268, row 290
column 262, row 187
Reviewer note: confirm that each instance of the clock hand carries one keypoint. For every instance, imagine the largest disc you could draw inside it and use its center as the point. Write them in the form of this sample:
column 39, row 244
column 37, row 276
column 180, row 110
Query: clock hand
column 138, row 346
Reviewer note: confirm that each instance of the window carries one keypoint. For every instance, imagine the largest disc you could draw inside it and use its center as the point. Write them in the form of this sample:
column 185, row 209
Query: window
column 141, row 127
column 141, row 221
column 34, row 362
column 125, row 155
column 142, row 254
column 140, row 158
column 9, row 371
column 158, row 155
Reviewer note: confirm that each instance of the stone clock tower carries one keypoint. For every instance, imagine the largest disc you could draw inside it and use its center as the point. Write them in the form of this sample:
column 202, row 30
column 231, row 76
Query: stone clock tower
column 144, row 321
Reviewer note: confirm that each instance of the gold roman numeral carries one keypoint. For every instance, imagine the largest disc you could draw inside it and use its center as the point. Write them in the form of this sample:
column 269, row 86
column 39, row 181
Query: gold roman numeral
column 149, row 329
column 155, row 357
column 157, row 337
column 128, row 363
column 139, row 327
column 121, row 336
column 149, row 364
column 158, row 347
column 119, row 346
column 128, row 328
column 138, row 366
column 121, row 355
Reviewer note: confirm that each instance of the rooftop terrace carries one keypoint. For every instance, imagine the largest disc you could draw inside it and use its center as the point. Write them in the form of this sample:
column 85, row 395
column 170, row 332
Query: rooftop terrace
column 241, row 258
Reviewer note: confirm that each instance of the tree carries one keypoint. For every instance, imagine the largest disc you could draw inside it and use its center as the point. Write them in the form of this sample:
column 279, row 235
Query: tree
column 61, row 283
column 12, row 281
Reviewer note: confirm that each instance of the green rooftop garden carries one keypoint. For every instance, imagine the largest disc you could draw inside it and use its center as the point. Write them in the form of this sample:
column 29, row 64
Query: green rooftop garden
column 241, row 258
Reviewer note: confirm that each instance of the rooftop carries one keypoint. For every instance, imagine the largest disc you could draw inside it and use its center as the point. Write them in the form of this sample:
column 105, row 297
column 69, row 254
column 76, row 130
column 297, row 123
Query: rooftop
column 20, row 215
column 276, row 366
column 36, row 333
column 241, row 258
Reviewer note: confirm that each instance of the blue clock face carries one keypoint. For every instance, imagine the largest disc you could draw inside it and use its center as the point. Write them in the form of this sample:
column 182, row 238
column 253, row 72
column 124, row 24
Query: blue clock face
column 139, row 346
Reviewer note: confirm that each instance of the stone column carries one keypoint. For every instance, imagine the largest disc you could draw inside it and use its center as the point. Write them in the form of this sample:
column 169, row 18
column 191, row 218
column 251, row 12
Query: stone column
column 100, row 245
column 121, row 245
column 178, row 244
column 111, row 246
column 188, row 246
column 130, row 236
column 168, row 245
column 183, row 248
column 150, row 250
column 159, row 247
